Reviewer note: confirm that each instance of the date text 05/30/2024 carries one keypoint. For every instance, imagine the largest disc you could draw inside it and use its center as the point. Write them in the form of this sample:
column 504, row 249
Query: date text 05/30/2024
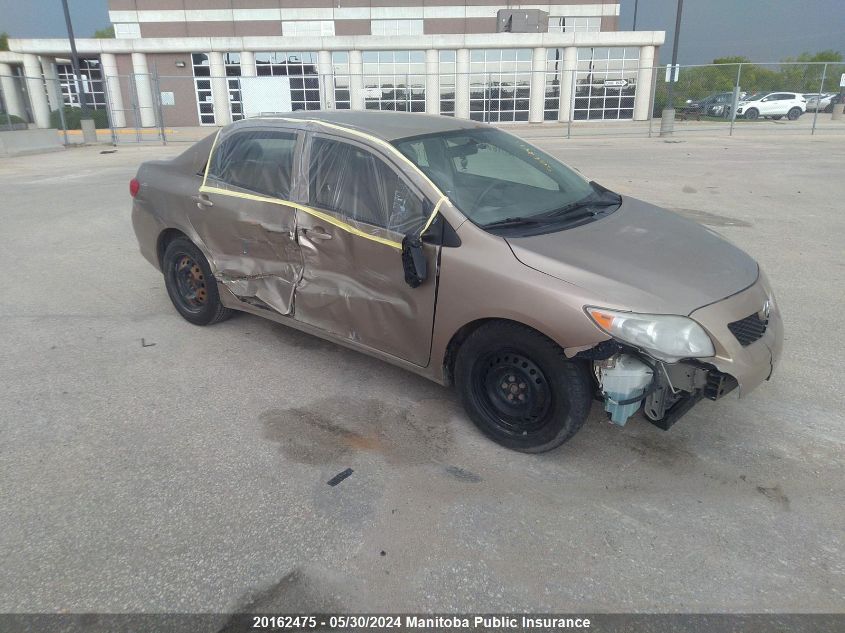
column 420, row 622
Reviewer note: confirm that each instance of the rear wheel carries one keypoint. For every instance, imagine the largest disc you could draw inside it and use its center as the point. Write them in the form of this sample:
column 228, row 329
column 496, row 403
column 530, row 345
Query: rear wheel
column 191, row 285
column 753, row 114
column 793, row 114
column 519, row 388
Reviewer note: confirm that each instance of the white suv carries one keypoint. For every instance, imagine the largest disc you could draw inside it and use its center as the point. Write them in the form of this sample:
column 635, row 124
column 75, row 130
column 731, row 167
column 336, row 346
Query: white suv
column 772, row 104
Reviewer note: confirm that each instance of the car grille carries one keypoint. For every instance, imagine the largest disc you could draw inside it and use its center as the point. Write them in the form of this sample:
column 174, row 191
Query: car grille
column 749, row 329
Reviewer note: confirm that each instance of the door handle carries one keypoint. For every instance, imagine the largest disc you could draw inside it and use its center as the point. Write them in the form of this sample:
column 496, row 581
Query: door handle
column 202, row 201
column 317, row 233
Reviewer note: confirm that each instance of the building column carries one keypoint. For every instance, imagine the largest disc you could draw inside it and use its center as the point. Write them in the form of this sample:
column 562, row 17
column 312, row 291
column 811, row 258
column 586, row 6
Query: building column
column 432, row 81
column 567, row 82
column 144, row 90
column 219, row 88
column 462, row 83
column 35, row 90
column 248, row 64
column 356, row 80
column 324, row 68
column 537, row 97
column 642, row 96
column 11, row 92
column 51, row 78
column 114, row 96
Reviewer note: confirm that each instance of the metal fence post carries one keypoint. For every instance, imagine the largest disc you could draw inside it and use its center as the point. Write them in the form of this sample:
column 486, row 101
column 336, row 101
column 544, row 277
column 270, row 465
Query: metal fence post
column 109, row 116
column 157, row 101
column 652, row 99
column 573, row 72
column 735, row 99
column 819, row 100
column 62, row 119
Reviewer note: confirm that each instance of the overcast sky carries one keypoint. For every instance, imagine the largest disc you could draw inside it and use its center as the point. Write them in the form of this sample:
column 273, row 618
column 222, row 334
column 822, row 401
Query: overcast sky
column 763, row 30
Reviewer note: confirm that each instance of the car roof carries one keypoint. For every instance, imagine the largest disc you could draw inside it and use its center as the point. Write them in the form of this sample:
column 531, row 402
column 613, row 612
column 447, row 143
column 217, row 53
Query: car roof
column 388, row 126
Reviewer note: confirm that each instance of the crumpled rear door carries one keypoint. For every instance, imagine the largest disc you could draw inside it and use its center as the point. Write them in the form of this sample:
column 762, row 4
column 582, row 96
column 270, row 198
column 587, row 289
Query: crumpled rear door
column 241, row 215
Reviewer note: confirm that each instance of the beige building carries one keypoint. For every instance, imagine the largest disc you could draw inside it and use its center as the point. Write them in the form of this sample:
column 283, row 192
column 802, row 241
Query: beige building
column 209, row 62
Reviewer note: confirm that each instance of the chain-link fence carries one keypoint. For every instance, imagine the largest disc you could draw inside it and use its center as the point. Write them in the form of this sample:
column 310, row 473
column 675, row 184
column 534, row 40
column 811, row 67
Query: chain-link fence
column 590, row 95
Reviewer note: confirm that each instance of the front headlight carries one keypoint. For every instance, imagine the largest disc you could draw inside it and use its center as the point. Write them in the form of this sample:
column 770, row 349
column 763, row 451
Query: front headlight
column 664, row 336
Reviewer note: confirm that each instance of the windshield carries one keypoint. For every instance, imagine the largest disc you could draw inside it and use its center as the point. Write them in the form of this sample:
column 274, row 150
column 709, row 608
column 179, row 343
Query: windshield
column 492, row 176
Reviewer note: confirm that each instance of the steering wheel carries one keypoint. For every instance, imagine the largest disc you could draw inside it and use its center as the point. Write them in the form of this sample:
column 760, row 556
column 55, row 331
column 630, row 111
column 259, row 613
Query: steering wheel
column 493, row 185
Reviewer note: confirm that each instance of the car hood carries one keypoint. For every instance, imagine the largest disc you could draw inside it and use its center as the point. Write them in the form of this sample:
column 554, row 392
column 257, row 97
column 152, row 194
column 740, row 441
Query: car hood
column 642, row 258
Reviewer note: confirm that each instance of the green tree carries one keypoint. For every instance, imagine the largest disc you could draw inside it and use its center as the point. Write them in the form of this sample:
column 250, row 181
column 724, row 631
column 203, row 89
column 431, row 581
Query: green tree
column 804, row 73
column 4, row 41
column 104, row 34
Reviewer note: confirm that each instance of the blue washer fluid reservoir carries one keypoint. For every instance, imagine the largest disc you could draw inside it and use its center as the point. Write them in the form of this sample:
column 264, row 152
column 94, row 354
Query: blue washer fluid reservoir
column 623, row 377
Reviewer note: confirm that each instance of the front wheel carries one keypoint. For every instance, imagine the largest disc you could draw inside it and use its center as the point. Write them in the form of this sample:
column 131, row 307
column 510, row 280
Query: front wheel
column 191, row 285
column 793, row 114
column 753, row 114
column 519, row 388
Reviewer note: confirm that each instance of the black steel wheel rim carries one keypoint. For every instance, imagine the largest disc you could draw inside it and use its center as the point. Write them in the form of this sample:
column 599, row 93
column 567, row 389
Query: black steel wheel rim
column 190, row 282
column 513, row 392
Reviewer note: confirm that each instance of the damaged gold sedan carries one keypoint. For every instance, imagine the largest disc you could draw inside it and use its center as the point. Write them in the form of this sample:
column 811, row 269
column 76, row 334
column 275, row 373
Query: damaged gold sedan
column 466, row 255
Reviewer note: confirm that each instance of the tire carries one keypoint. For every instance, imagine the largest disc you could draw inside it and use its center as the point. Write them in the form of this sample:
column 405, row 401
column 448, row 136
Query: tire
column 777, row 117
column 753, row 114
column 793, row 114
column 191, row 284
column 519, row 389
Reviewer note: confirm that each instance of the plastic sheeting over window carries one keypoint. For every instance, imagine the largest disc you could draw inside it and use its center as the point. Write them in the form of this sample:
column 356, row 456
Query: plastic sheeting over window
column 260, row 161
column 361, row 187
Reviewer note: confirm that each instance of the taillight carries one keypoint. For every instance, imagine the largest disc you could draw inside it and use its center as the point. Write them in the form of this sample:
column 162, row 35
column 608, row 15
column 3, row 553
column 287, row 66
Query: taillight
column 134, row 187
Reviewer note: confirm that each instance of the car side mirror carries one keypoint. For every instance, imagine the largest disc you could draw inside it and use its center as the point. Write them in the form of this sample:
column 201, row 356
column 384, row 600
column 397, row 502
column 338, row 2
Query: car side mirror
column 413, row 260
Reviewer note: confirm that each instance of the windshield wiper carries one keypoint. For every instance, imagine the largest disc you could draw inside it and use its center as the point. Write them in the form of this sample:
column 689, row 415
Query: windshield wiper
column 516, row 221
column 579, row 206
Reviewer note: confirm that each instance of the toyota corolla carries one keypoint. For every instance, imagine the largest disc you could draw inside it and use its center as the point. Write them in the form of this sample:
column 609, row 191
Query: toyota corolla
column 465, row 254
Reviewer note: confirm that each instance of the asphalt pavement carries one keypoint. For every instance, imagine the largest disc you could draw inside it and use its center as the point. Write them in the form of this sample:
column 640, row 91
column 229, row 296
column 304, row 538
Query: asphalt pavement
column 150, row 465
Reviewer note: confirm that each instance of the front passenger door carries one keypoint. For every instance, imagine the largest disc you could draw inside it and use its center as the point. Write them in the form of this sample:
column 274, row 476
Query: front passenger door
column 353, row 283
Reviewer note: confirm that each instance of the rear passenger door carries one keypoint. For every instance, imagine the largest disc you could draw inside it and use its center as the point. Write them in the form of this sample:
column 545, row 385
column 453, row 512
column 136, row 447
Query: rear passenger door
column 353, row 283
column 251, row 238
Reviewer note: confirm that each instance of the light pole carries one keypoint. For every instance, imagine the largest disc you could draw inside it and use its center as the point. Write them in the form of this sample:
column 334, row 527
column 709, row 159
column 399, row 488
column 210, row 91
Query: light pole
column 89, row 132
column 636, row 4
column 667, row 120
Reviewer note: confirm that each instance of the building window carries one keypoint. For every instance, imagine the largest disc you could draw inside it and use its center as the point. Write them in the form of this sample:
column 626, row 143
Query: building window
column 233, row 73
column 130, row 31
column 394, row 80
column 606, row 83
column 311, row 28
column 500, row 84
column 447, row 74
column 340, row 76
column 574, row 25
column 554, row 78
column 91, row 78
column 202, row 86
column 396, row 27
column 301, row 69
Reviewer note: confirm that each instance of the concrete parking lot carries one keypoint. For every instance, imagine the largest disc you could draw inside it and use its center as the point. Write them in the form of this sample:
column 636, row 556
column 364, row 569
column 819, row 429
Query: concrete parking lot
column 150, row 465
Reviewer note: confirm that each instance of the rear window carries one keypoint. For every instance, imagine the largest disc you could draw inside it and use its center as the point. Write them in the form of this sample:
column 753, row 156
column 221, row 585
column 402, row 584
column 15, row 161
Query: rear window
column 260, row 161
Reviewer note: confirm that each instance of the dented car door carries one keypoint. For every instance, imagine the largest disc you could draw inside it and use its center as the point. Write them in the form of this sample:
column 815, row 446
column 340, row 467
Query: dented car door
column 252, row 241
column 353, row 283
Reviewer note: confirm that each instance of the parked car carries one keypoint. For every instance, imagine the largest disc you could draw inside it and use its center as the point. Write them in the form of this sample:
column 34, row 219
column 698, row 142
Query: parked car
column 464, row 254
column 774, row 105
column 715, row 105
column 835, row 99
column 816, row 101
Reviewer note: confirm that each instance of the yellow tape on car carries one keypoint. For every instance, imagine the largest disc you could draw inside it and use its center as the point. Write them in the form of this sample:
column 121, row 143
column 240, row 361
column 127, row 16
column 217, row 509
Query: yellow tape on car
column 204, row 188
